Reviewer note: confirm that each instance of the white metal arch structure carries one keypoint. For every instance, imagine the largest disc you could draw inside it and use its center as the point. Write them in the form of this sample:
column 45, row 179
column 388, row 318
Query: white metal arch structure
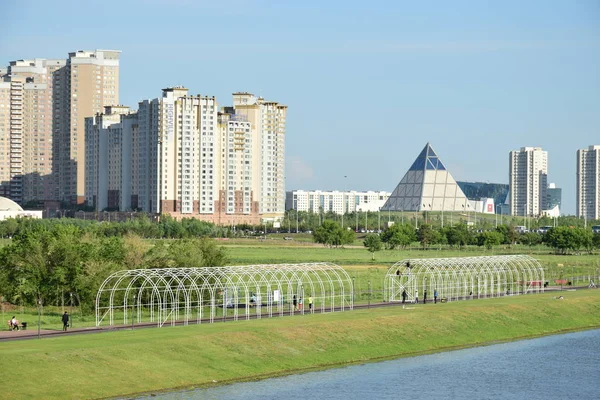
column 464, row 277
column 170, row 295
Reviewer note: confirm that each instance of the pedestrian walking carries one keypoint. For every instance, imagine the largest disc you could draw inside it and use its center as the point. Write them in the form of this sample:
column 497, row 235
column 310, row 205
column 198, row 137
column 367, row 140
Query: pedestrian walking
column 295, row 302
column 435, row 295
column 310, row 303
column 425, row 296
column 65, row 321
column 13, row 323
column 416, row 297
column 404, row 296
column 300, row 304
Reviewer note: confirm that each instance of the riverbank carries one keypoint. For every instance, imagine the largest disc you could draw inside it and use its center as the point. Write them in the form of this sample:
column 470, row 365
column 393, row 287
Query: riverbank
column 147, row 360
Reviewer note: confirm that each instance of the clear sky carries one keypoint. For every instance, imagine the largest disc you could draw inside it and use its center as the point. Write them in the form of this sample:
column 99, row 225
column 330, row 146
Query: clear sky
column 367, row 83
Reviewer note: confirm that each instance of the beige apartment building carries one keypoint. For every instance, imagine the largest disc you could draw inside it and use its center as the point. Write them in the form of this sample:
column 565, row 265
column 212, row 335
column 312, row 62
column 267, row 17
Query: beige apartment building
column 93, row 82
column 268, row 120
column 187, row 159
column 26, row 127
column 43, row 104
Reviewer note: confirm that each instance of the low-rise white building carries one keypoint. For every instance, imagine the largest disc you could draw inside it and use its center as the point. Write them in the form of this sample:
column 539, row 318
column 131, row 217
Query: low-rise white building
column 338, row 202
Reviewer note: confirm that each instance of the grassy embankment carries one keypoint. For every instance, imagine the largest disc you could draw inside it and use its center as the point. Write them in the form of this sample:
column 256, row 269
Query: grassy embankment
column 355, row 260
column 119, row 363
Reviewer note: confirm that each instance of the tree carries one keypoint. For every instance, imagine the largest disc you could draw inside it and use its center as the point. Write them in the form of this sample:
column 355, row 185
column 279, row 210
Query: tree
column 426, row 235
column 596, row 241
column 331, row 234
column 530, row 238
column 399, row 235
column 564, row 238
column 458, row 235
column 489, row 239
column 509, row 234
column 373, row 243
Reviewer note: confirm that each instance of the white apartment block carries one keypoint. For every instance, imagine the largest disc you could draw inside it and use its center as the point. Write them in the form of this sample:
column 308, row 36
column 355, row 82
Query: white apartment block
column 528, row 181
column 317, row 201
column 237, row 167
column 108, row 158
column 179, row 155
column 588, row 182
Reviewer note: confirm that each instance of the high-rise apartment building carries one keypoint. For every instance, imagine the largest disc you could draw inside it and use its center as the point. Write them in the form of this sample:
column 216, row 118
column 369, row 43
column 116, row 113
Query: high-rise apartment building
column 43, row 104
column 27, row 91
column 269, row 122
column 528, row 177
column 588, row 182
column 187, row 159
column 108, row 158
column 92, row 82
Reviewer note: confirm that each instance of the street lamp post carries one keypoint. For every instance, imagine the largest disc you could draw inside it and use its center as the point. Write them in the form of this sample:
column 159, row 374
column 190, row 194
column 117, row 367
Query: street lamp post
column 497, row 215
column 442, row 215
column 302, row 298
column 344, row 201
column 39, row 317
column 71, row 296
column 353, row 278
column 416, row 210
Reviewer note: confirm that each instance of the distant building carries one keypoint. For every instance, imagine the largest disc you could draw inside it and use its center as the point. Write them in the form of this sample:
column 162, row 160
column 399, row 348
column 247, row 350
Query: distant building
column 179, row 155
column 10, row 209
column 528, row 181
column 317, row 201
column 484, row 190
column 43, row 104
column 428, row 186
column 554, row 198
column 588, row 182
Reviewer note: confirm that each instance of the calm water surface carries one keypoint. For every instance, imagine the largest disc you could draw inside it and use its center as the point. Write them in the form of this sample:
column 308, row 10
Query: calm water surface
column 554, row 367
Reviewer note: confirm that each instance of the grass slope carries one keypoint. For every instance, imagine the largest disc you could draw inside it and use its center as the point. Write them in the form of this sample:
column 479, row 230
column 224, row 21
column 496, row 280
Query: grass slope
column 125, row 362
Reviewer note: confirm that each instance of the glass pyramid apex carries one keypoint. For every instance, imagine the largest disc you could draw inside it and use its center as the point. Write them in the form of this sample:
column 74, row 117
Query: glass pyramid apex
column 427, row 160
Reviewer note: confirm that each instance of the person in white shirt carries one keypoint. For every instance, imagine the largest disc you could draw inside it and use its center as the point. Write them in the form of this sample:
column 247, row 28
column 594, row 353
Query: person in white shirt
column 14, row 323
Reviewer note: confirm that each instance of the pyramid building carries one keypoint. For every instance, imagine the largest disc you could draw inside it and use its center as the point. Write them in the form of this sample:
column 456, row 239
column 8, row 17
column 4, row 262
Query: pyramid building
column 428, row 186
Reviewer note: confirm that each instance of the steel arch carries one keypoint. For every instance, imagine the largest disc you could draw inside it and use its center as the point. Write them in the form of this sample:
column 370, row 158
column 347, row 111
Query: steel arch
column 464, row 277
column 172, row 295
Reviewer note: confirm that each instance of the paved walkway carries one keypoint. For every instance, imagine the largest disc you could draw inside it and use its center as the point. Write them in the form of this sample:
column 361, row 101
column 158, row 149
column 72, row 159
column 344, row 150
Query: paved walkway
column 31, row 332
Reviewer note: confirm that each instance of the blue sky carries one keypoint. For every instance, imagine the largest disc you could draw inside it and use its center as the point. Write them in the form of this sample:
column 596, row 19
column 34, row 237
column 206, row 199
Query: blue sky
column 367, row 83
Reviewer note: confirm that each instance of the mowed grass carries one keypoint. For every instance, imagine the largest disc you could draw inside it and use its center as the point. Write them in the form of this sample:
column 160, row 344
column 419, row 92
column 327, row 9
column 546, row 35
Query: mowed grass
column 248, row 251
column 147, row 360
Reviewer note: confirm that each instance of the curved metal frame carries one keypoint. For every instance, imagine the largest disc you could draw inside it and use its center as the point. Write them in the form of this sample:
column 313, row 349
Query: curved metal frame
column 464, row 277
column 171, row 295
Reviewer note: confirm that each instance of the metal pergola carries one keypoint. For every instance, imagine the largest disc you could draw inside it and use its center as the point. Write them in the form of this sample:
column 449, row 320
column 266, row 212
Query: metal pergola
column 464, row 278
column 183, row 295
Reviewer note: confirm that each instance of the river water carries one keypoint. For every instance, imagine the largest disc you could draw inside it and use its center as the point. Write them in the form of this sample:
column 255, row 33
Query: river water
column 554, row 367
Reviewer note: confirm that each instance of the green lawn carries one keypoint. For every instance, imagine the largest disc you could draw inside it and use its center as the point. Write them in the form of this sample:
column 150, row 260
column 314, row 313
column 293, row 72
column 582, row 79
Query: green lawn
column 146, row 360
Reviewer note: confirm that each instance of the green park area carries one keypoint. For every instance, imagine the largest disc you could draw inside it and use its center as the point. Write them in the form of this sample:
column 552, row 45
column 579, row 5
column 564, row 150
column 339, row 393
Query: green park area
column 61, row 264
column 147, row 360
